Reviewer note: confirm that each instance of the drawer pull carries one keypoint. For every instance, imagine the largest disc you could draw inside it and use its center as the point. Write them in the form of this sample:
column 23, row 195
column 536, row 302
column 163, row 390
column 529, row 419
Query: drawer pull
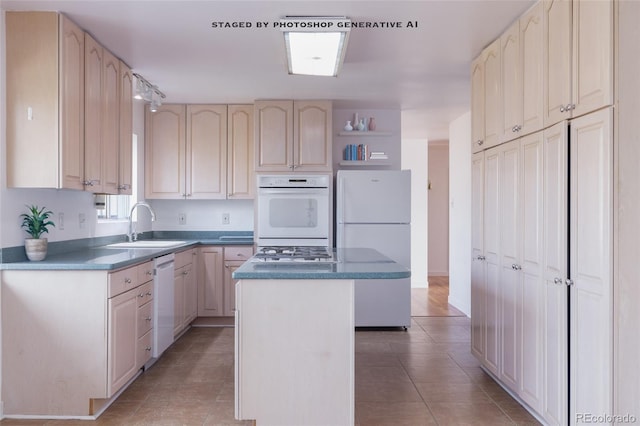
column 148, row 349
column 141, row 295
column 149, row 319
column 149, row 293
column 127, row 280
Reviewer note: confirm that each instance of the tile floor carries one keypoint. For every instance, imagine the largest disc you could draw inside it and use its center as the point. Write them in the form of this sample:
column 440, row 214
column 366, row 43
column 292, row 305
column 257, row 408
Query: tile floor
column 424, row 376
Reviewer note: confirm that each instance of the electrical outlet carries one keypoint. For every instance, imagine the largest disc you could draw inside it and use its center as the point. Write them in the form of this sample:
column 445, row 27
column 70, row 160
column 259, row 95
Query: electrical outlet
column 60, row 224
column 81, row 220
column 226, row 218
column 182, row 218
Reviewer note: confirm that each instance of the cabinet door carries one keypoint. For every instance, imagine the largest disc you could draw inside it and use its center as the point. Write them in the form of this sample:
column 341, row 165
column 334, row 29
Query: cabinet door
column 93, row 65
column 312, row 139
column 477, row 104
column 492, row 100
column 71, row 80
column 240, row 175
column 110, row 122
column 557, row 60
column 478, row 285
column 206, row 166
column 491, row 240
column 273, row 136
column 592, row 55
column 531, row 54
column 590, row 249
column 511, row 117
column 509, row 277
column 178, row 300
column 531, row 277
column 123, row 340
column 125, row 164
column 555, row 315
column 190, row 294
column 210, row 282
column 229, row 308
column 164, row 152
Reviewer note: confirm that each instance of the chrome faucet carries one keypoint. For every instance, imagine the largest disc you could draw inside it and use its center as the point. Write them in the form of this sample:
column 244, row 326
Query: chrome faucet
column 133, row 235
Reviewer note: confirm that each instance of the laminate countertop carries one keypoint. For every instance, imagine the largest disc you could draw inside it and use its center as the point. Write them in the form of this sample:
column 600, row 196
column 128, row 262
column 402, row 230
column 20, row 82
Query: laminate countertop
column 348, row 263
column 110, row 257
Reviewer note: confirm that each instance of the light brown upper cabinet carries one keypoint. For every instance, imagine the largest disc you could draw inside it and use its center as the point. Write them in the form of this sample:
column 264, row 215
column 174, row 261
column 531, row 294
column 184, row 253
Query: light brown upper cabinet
column 293, row 136
column 578, row 60
column 125, row 164
column 240, row 175
column 102, row 119
column 522, row 67
column 44, row 101
column 186, row 152
column 486, row 102
column 477, row 104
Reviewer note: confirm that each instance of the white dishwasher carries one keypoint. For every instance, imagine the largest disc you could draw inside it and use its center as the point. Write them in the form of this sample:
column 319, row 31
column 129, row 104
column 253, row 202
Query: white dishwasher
column 163, row 319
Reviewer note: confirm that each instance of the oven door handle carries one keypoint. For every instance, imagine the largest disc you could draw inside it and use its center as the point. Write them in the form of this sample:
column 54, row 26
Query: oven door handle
column 295, row 191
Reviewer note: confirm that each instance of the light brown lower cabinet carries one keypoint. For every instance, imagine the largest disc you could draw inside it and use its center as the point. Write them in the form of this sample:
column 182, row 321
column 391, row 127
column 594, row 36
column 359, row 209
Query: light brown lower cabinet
column 77, row 337
column 186, row 291
column 216, row 287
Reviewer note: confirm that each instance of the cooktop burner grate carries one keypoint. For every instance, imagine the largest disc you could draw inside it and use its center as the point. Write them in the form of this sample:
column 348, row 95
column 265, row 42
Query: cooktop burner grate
column 294, row 253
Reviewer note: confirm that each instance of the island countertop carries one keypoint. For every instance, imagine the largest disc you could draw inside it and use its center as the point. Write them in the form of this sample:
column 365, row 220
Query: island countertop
column 349, row 263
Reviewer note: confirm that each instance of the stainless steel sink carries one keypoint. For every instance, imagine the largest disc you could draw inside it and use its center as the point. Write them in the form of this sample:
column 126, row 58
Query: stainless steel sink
column 147, row 244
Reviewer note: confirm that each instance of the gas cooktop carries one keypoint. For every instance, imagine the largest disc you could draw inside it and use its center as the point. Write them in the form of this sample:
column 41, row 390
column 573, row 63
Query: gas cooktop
column 294, row 254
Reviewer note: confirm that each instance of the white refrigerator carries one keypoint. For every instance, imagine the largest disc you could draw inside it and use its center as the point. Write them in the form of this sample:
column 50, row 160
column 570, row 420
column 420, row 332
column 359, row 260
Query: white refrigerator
column 373, row 210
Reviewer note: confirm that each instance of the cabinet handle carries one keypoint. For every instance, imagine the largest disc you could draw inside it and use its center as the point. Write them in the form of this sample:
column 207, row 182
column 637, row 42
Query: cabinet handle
column 557, row 281
column 514, row 129
column 562, row 109
column 226, row 266
column 127, row 280
column 570, row 107
column 148, row 349
column 569, row 282
column 149, row 293
column 184, row 272
column 516, row 267
column 148, row 319
column 480, row 257
column 149, row 272
column 141, row 295
column 123, row 187
column 89, row 182
column 479, row 142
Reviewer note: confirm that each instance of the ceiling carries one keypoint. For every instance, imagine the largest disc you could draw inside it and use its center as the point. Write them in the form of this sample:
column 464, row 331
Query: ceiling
column 423, row 70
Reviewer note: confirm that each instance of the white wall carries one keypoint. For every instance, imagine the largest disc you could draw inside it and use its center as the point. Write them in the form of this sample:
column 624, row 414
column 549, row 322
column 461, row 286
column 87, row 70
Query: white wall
column 438, row 246
column 460, row 213
column 203, row 215
column 415, row 157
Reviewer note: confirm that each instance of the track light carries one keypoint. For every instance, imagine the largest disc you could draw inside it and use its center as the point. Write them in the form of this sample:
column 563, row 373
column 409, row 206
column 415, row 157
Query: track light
column 148, row 92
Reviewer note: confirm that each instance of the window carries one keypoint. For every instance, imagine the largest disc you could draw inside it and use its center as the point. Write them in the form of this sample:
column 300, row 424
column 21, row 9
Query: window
column 116, row 207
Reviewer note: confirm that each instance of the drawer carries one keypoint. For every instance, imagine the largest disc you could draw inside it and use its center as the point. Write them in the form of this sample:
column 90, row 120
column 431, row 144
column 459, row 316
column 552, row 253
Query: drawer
column 145, row 272
column 184, row 257
column 123, row 280
column 145, row 319
column 145, row 293
column 144, row 349
column 238, row 253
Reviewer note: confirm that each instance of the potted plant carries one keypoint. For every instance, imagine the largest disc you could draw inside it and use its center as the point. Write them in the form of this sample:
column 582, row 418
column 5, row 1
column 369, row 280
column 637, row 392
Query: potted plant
column 36, row 223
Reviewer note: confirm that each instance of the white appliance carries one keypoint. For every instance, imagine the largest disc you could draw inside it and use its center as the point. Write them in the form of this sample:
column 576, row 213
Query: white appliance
column 163, row 307
column 374, row 211
column 293, row 210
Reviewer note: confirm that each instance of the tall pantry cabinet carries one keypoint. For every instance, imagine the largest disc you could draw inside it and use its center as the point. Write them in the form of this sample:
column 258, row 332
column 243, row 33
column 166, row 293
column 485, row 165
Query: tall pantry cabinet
column 541, row 276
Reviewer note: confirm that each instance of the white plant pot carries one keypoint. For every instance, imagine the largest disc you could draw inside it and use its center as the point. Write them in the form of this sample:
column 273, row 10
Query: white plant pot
column 36, row 248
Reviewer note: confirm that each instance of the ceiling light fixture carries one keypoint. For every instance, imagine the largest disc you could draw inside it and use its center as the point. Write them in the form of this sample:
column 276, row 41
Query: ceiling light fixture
column 315, row 45
column 148, row 92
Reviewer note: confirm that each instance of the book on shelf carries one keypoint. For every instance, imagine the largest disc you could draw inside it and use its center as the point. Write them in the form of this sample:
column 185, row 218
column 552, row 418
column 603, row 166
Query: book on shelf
column 353, row 152
column 378, row 155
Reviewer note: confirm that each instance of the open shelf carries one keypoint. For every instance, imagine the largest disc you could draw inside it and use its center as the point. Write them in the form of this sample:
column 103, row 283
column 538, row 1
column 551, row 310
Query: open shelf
column 368, row 163
column 364, row 133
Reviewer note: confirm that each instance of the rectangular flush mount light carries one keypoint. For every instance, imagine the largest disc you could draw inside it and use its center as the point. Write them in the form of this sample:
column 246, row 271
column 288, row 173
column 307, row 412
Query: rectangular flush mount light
column 315, row 45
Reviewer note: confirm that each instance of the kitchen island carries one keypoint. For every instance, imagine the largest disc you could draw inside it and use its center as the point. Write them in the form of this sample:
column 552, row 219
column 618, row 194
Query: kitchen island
column 295, row 337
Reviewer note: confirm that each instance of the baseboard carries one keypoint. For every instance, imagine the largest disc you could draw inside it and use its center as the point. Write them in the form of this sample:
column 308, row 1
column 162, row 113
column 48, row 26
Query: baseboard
column 459, row 306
